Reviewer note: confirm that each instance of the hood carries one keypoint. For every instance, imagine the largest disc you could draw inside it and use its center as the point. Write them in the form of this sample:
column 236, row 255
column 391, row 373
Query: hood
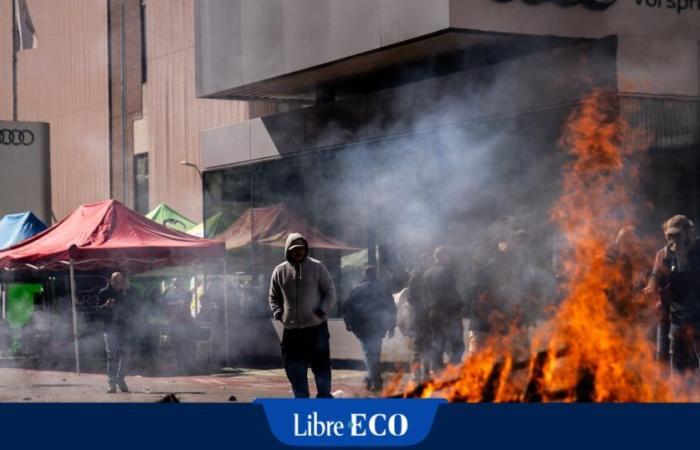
column 290, row 239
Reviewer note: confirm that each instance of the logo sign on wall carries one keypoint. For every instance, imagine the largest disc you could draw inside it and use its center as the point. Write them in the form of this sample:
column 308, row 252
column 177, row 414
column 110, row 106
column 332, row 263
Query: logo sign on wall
column 597, row 5
column 15, row 136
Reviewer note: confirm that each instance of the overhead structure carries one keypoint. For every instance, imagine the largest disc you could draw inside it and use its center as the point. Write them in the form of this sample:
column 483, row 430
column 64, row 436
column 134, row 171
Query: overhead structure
column 15, row 228
column 165, row 215
column 271, row 225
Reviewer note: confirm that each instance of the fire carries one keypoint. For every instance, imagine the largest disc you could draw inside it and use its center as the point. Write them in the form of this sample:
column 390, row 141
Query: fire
column 595, row 346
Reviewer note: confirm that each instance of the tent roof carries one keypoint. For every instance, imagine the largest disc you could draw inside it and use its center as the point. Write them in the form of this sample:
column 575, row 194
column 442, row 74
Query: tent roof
column 14, row 228
column 271, row 225
column 107, row 234
column 212, row 225
column 165, row 215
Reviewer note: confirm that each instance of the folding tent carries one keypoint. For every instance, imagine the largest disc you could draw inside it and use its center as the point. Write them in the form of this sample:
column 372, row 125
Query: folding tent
column 15, row 228
column 165, row 215
column 271, row 225
column 107, row 235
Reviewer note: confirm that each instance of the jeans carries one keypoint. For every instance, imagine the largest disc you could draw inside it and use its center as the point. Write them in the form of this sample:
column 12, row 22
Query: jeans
column 304, row 347
column 372, row 350
column 684, row 347
column 115, row 348
column 663, row 347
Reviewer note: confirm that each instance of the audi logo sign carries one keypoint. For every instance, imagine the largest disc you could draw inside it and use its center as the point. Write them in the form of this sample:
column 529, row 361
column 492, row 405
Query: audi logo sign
column 16, row 137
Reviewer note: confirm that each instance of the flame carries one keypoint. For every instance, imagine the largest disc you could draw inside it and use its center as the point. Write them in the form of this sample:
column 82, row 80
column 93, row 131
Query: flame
column 595, row 346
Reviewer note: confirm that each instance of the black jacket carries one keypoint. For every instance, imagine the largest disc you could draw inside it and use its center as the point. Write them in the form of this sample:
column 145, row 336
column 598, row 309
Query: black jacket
column 683, row 286
column 370, row 309
column 117, row 318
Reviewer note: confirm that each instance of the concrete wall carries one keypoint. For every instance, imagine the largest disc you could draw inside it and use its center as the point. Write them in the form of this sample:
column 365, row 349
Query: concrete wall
column 489, row 91
column 64, row 82
column 242, row 41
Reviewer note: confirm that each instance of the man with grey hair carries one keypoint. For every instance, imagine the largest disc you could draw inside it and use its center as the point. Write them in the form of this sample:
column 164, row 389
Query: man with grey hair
column 115, row 309
column 302, row 296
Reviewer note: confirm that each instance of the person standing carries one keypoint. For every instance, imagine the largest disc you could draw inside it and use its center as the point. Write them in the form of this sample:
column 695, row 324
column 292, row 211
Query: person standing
column 676, row 278
column 370, row 313
column 302, row 296
column 115, row 307
column 421, row 358
column 446, row 308
column 178, row 299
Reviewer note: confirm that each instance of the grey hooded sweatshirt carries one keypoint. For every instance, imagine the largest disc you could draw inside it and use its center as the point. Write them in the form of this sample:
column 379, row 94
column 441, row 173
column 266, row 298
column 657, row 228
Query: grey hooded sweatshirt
column 299, row 291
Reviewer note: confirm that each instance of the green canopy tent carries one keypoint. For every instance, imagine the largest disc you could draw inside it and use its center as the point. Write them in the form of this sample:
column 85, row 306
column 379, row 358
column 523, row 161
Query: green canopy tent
column 212, row 225
column 165, row 215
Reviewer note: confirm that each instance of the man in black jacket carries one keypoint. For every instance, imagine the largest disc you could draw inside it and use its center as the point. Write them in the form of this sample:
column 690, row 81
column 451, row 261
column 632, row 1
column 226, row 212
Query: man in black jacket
column 115, row 308
column 370, row 313
column 446, row 309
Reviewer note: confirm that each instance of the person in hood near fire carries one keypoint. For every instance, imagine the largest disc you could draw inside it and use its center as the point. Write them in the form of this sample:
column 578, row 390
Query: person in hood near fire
column 676, row 279
column 115, row 308
column 370, row 313
column 505, row 291
column 302, row 296
column 422, row 356
column 446, row 306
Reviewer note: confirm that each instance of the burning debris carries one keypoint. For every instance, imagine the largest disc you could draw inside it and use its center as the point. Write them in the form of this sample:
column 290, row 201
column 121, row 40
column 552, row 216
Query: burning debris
column 593, row 347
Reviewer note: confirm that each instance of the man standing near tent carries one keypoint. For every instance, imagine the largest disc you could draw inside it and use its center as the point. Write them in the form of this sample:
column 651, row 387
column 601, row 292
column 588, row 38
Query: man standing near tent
column 302, row 296
column 370, row 314
column 115, row 309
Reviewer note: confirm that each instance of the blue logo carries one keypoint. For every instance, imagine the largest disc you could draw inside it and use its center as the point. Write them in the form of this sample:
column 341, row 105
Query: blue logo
column 350, row 422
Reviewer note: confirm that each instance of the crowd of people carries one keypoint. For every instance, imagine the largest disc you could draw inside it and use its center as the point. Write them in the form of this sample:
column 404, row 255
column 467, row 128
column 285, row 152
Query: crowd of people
column 504, row 301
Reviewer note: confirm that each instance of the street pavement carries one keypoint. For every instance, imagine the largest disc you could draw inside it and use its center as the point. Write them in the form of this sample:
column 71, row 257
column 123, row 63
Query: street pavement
column 21, row 385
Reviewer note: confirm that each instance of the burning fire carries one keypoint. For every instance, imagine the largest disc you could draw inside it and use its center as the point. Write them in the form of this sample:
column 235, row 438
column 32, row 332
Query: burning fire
column 595, row 346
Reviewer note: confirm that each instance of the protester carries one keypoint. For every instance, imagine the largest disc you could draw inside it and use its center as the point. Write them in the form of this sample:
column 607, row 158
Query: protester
column 302, row 296
column 626, row 255
column 422, row 355
column 505, row 294
column 446, row 309
column 370, row 313
column 178, row 299
column 676, row 279
column 115, row 308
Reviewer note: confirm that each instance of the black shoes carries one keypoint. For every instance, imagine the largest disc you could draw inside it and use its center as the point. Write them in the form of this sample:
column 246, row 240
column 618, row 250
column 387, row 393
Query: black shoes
column 122, row 387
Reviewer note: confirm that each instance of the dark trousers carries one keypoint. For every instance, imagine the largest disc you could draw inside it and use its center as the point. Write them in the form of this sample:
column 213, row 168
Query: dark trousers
column 422, row 355
column 117, row 353
column 372, row 350
column 304, row 347
column 448, row 336
column 663, row 346
column 684, row 347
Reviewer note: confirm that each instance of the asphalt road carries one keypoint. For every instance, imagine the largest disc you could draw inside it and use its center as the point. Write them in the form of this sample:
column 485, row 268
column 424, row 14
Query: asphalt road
column 20, row 385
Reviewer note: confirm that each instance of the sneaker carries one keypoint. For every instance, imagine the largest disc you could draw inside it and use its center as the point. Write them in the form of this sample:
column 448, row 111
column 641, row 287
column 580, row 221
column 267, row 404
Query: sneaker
column 123, row 386
column 112, row 389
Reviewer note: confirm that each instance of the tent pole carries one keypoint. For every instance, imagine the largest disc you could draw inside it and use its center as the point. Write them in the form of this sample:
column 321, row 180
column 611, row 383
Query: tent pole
column 74, row 302
column 4, row 300
column 226, row 343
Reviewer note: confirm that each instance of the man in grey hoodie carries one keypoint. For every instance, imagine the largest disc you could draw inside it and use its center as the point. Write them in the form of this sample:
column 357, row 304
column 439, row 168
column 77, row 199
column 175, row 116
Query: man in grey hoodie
column 302, row 296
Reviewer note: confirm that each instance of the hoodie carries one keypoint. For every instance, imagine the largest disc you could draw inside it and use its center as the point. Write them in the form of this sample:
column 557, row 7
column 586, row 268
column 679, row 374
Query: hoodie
column 302, row 294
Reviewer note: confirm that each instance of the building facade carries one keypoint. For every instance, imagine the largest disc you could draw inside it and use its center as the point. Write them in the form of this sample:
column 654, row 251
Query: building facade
column 416, row 123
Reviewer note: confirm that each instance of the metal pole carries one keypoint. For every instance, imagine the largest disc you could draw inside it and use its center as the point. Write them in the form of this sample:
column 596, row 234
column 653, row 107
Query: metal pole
column 226, row 344
column 74, row 302
column 4, row 300
column 15, row 47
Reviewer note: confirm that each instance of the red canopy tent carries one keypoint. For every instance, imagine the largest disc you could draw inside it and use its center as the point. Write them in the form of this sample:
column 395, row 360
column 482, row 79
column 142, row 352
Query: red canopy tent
column 107, row 235
column 271, row 225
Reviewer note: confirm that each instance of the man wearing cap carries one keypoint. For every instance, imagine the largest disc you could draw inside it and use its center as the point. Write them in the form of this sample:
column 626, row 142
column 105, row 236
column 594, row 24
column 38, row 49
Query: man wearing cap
column 676, row 278
column 302, row 296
